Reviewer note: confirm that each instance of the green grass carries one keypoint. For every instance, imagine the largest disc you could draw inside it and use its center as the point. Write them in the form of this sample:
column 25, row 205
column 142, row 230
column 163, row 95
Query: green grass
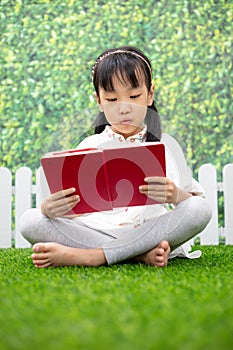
column 186, row 306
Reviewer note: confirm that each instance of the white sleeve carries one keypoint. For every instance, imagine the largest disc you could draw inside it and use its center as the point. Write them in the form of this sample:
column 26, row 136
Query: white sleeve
column 89, row 142
column 177, row 168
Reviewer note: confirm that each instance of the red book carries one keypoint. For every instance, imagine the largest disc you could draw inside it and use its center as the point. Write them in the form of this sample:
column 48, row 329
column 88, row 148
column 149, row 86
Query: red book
column 105, row 178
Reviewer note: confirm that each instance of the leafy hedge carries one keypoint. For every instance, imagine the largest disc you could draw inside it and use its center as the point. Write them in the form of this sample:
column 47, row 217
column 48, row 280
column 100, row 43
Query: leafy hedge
column 48, row 48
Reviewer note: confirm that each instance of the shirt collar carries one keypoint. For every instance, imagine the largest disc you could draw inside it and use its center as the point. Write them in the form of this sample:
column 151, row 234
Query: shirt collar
column 139, row 137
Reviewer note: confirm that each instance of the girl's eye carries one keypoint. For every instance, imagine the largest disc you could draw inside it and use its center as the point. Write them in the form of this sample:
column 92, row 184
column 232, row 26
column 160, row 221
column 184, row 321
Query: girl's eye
column 135, row 96
column 111, row 99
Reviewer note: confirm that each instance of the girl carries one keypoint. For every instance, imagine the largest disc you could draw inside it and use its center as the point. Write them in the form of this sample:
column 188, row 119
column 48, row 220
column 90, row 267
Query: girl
column 122, row 79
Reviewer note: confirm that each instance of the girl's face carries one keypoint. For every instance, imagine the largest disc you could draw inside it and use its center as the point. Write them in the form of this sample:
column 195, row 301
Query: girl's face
column 125, row 107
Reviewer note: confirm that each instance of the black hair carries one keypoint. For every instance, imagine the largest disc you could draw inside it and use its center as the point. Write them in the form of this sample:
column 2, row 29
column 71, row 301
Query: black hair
column 128, row 64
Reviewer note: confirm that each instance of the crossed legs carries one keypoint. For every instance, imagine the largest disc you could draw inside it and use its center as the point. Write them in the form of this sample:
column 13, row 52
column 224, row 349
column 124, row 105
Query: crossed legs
column 149, row 243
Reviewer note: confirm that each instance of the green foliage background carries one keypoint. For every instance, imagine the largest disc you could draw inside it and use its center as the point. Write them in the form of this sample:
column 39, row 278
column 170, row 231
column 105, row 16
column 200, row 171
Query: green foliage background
column 48, row 48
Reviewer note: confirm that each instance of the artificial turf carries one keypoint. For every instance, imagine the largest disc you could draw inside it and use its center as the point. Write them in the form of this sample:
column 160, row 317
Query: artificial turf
column 186, row 306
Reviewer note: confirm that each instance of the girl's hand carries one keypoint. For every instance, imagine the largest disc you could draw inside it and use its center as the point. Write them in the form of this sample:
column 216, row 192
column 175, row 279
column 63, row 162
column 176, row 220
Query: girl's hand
column 59, row 203
column 163, row 190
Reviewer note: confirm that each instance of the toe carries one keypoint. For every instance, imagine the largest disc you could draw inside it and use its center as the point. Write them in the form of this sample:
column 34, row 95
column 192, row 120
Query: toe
column 38, row 248
column 160, row 252
column 42, row 265
column 164, row 245
column 160, row 258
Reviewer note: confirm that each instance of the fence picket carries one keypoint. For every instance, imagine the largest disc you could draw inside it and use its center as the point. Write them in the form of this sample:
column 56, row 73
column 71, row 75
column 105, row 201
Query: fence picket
column 5, row 207
column 42, row 189
column 23, row 201
column 208, row 179
column 228, row 202
column 38, row 191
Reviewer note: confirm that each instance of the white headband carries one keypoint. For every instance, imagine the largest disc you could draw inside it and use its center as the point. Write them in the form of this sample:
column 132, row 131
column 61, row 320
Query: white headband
column 120, row 51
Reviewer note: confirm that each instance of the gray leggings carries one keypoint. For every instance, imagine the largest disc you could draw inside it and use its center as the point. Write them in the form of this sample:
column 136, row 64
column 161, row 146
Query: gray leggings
column 177, row 226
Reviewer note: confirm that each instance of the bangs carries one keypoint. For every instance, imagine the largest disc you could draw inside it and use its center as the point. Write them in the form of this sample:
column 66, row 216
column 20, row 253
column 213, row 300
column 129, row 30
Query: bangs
column 131, row 73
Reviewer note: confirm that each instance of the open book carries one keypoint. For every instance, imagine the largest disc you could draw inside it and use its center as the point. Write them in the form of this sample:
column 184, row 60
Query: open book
column 105, row 178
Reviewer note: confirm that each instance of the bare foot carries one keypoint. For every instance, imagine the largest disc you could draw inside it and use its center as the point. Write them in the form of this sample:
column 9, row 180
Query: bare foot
column 157, row 256
column 54, row 254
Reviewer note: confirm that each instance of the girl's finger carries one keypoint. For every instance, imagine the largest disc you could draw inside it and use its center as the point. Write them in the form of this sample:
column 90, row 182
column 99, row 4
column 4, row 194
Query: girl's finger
column 58, row 212
column 63, row 193
column 65, row 201
column 157, row 180
column 154, row 193
column 60, row 207
column 55, row 201
column 156, row 188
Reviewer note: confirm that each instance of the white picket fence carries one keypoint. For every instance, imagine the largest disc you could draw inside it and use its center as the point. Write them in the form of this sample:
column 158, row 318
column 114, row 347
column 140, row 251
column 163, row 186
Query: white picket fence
column 20, row 198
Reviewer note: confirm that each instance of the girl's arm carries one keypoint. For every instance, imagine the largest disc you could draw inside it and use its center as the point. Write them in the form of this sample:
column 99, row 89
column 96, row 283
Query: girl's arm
column 59, row 203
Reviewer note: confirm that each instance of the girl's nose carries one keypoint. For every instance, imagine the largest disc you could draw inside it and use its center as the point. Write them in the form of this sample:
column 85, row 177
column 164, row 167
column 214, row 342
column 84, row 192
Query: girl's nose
column 124, row 108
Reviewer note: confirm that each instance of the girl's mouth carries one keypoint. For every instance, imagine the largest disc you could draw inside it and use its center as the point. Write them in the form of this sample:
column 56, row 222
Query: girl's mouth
column 126, row 121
